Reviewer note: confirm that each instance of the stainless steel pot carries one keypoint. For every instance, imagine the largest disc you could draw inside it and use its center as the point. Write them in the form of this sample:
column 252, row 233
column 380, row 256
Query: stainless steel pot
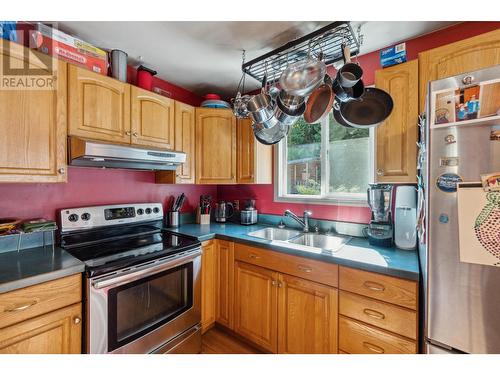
column 290, row 102
column 284, row 117
column 260, row 108
column 272, row 135
column 302, row 77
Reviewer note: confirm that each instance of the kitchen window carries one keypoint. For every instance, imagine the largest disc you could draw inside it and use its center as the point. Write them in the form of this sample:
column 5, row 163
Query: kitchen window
column 324, row 163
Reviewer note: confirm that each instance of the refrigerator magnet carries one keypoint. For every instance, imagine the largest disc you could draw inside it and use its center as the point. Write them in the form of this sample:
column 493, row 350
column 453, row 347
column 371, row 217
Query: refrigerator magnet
column 447, row 182
column 491, row 181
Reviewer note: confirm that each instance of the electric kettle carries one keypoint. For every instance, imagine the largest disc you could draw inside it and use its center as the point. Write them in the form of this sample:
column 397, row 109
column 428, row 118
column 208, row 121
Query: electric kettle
column 223, row 211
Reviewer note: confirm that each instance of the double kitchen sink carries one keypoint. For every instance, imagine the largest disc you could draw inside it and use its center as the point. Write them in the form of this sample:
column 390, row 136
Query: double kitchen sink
column 305, row 241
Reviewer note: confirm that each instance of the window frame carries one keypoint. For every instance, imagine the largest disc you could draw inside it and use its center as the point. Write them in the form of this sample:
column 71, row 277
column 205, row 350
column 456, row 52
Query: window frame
column 338, row 199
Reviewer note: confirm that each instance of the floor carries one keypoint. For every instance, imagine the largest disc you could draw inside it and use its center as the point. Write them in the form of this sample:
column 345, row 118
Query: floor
column 216, row 341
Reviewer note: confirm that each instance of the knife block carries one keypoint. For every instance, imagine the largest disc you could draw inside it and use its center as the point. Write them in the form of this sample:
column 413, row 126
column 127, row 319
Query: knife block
column 202, row 219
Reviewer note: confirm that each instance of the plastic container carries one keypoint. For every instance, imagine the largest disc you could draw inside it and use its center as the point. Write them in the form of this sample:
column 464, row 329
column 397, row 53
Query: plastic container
column 145, row 77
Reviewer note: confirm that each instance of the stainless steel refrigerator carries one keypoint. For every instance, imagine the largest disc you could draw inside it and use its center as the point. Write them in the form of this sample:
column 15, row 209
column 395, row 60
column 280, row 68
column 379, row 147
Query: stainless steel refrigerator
column 460, row 140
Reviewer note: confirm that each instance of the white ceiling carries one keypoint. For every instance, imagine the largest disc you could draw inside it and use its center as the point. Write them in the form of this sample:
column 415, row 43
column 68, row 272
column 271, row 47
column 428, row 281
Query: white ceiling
column 206, row 56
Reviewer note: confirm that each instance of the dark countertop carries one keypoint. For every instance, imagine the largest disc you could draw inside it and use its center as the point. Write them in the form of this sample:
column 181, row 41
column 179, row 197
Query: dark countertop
column 357, row 253
column 36, row 265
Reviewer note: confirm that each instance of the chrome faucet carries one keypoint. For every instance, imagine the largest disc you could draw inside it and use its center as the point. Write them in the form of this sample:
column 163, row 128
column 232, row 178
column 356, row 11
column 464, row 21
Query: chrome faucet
column 304, row 223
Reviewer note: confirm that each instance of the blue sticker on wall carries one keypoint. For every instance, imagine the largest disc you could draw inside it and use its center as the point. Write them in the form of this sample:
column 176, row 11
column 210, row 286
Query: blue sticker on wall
column 447, row 182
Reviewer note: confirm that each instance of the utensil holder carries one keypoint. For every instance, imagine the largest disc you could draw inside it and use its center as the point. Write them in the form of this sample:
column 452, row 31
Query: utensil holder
column 203, row 219
column 173, row 219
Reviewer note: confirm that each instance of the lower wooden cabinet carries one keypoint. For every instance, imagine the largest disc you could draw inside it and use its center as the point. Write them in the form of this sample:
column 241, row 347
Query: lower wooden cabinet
column 57, row 332
column 208, row 284
column 307, row 317
column 358, row 338
column 255, row 306
column 225, row 284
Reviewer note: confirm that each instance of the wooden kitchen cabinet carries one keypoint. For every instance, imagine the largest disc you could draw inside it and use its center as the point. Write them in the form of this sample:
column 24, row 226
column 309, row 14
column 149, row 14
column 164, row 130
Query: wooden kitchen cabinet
column 464, row 56
column 98, row 106
column 307, row 317
column 33, row 126
column 254, row 160
column 57, row 332
column 215, row 146
column 152, row 119
column 255, row 305
column 225, row 283
column 396, row 137
column 208, row 284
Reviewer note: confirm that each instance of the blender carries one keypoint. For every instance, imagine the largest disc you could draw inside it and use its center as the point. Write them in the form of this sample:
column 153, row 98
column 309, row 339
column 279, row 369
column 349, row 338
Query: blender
column 380, row 229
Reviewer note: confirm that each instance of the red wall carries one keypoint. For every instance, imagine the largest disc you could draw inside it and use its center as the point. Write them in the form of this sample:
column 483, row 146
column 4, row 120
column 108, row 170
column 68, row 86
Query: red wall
column 92, row 186
column 264, row 194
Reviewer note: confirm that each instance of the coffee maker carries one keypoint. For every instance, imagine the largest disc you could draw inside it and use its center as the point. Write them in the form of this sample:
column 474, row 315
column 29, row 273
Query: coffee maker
column 380, row 230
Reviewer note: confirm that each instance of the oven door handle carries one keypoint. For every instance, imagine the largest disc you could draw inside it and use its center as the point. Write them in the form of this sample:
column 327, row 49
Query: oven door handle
column 145, row 271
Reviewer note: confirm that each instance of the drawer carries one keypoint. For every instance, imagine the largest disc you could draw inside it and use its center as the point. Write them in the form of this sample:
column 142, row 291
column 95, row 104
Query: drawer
column 35, row 300
column 386, row 288
column 380, row 314
column 321, row 272
column 358, row 338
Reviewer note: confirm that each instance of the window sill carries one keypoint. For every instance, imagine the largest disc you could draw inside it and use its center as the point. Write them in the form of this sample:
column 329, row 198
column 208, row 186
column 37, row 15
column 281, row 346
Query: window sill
column 334, row 201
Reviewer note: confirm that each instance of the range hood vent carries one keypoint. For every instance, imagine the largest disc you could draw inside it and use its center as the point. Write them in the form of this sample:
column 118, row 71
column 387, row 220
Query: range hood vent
column 86, row 153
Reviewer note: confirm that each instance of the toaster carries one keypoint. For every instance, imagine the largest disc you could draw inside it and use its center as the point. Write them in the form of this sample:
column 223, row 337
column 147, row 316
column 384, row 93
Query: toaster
column 248, row 217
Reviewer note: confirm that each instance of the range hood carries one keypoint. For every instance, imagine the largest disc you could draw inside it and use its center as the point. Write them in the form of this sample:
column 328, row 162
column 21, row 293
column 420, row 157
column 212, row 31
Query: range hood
column 86, row 153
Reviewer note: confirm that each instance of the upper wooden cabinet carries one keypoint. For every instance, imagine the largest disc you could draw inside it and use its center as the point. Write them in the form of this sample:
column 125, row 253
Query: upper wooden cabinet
column 215, row 146
column 185, row 141
column 33, row 121
column 460, row 57
column 152, row 119
column 255, row 160
column 99, row 106
column 396, row 147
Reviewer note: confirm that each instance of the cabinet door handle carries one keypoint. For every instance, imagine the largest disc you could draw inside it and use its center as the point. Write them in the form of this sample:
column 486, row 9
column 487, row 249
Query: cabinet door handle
column 135, row 134
column 373, row 348
column 374, row 286
column 253, row 256
column 128, row 132
column 305, row 269
column 380, row 172
column 77, row 320
column 22, row 307
column 280, row 284
column 61, row 171
column 273, row 282
column 374, row 314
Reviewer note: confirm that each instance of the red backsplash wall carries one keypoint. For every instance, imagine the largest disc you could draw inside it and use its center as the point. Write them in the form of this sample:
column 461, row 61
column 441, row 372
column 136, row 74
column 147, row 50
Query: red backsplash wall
column 264, row 194
column 92, row 186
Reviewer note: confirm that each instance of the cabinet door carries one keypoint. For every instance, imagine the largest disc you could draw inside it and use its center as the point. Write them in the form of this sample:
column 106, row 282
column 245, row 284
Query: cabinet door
column 152, row 119
column 246, row 152
column 208, row 284
column 215, row 146
column 57, row 332
column 255, row 305
column 254, row 160
column 185, row 141
column 307, row 317
column 397, row 136
column 225, row 283
column 99, row 106
column 33, row 122
column 464, row 56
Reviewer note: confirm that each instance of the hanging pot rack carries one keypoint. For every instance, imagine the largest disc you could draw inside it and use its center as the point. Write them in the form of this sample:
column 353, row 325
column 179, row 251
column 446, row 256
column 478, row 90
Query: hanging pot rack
column 326, row 40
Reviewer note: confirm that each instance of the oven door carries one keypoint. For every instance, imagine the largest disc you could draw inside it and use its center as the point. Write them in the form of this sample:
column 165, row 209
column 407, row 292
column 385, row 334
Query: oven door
column 141, row 309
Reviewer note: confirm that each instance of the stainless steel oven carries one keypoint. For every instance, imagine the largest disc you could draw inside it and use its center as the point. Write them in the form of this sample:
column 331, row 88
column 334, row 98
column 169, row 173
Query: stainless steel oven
column 140, row 309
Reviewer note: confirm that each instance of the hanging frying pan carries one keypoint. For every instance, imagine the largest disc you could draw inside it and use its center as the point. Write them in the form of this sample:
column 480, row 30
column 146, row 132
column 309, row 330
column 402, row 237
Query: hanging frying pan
column 338, row 117
column 374, row 106
column 320, row 102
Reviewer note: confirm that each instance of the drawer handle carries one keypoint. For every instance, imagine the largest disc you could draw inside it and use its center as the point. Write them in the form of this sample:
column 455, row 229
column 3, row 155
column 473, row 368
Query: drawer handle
column 305, row 269
column 374, row 314
column 373, row 348
column 253, row 256
column 374, row 286
column 77, row 320
column 22, row 307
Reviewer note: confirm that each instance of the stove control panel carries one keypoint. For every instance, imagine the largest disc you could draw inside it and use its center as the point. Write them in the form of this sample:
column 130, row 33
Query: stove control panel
column 89, row 217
